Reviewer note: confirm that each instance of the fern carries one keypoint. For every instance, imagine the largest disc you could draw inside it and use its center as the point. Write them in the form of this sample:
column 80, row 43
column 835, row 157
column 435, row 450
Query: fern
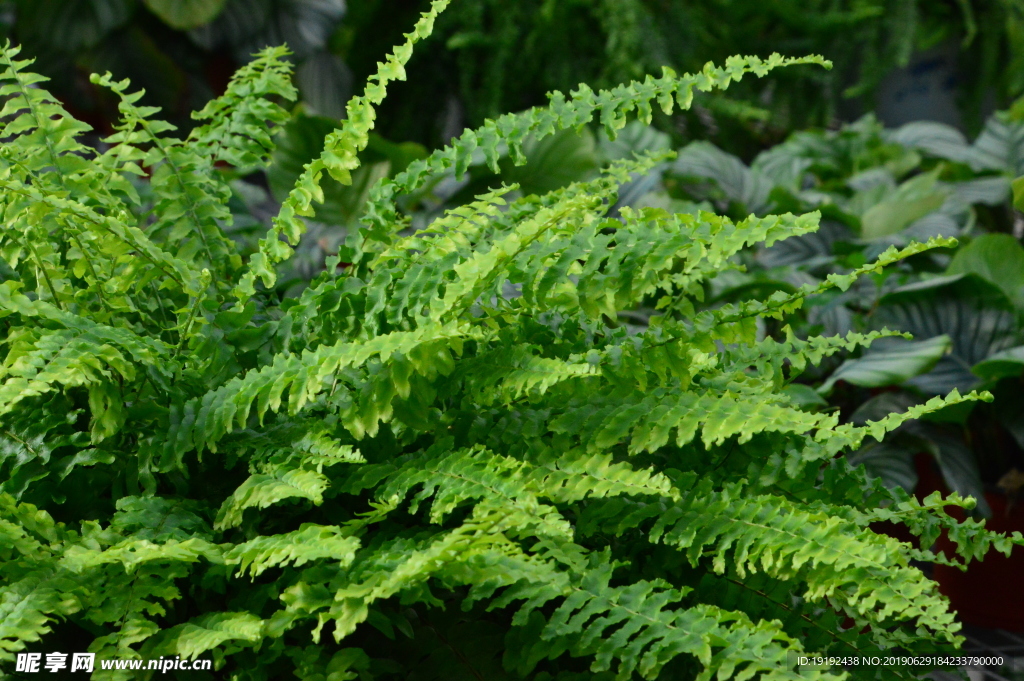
column 195, row 467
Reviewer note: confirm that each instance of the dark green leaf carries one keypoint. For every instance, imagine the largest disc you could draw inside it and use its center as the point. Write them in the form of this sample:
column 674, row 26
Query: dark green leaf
column 739, row 184
column 805, row 397
column 999, row 259
column 71, row 25
column 325, row 83
column 957, row 462
column 553, row 162
column 890, row 462
column 1001, row 365
column 185, row 14
column 892, row 366
column 913, row 200
column 975, row 314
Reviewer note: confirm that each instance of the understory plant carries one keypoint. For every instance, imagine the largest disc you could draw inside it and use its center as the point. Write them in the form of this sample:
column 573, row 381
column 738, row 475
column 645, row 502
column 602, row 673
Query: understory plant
column 446, row 458
column 964, row 306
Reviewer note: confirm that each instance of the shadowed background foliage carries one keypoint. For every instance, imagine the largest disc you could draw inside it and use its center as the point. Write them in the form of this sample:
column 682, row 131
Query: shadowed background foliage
column 489, row 56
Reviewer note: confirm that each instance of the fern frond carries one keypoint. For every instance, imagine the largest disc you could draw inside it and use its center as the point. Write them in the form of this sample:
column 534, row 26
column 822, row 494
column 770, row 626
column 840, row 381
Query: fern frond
column 648, row 496
column 780, row 303
column 238, row 131
column 207, row 420
column 262, row 490
column 575, row 476
column 404, row 565
column 28, row 607
column 132, row 237
column 636, row 629
column 339, row 158
column 307, row 544
column 190, row 199
column 134, row 552
column 59, row 358
column 43, row 136
column 610, row 107
column 192, row 639
column 863, row 572
column 646, row 420
column 533, row 375
column 849, row 437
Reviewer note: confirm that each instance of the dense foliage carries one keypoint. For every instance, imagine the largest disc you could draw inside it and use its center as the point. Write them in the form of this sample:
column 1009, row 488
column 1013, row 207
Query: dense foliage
column 965, row 308
column 447, row 457
column 491, row 56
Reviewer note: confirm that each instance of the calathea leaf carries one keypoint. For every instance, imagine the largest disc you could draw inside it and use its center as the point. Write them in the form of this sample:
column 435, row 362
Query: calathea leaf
column 957, row 462
column 991, row 191
column 250, row 25
column 914, row 199
column 784, row 164
column 892, row 366
column 805, row 397
column 1000, row 146
column 808, row 250
column 635, row 138
column 325, row 83
column 740, row 185
column 71, row 25
column 553, row 162
column 891, row 462
column 937, row 139
column 1005, row 364
column 880, row 406
column 1009, row 409
column 185, row 14
column 997, row 258
column 975, row 314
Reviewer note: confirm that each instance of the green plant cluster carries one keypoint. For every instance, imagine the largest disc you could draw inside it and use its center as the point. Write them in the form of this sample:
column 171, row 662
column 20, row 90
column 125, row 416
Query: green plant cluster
column 446, row 457
column 181, row 52
column 491, row 57
column 964, row 307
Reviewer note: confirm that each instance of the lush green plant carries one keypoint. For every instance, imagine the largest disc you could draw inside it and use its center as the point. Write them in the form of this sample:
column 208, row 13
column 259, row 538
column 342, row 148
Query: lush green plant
column 493, row 56
column 878, row 188
column 182, row 52
column 496, row 57
column 445, row 460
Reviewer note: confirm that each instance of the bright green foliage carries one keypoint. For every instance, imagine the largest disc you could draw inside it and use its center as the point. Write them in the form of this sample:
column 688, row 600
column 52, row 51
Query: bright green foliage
column 457, row 420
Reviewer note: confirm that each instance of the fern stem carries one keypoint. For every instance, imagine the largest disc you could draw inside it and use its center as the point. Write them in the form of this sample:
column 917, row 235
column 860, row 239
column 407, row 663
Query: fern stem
column 46, row 277
column 189, row 203
column 34, row 112
column 183, row 337
column 834, row 635
column 160, row 305
column 21, row 442
column 88, row 262
column 88, row 214
column 192, row 314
